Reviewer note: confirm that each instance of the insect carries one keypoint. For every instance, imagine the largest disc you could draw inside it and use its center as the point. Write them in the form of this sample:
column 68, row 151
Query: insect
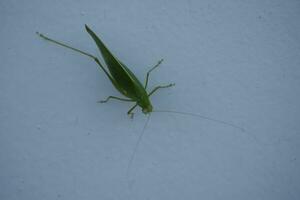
column 120, row 76
column 128, row 85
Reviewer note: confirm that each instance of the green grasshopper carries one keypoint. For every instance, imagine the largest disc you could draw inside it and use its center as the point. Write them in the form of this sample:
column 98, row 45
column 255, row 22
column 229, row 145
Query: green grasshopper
column 129, row 85
column 120, row 76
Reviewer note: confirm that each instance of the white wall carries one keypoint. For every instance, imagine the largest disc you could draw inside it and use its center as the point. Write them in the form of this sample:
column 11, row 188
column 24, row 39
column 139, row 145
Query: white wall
column 236, row 61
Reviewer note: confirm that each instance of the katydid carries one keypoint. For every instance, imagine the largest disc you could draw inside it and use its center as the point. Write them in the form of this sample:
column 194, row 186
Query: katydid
column 120, row 76
column 128, row 84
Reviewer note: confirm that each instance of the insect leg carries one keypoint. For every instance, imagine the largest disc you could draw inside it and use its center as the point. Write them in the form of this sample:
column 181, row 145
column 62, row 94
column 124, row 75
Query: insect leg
column 130, row 113
column 113, row 97
column 64, row 45
column 160, row 87
column 79, row 51
column 148, row 73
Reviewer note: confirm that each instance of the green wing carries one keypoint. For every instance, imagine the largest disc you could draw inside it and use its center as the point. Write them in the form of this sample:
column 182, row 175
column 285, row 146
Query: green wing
column 124, row 78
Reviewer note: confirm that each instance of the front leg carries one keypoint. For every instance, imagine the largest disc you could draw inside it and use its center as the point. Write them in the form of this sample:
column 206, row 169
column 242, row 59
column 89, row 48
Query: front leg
column 130, row 113
column 113, row 97
column 148, row 73
column 160, row 87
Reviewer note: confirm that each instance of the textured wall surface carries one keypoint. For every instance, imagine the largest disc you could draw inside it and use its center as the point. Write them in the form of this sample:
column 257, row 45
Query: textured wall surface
column 237, row 61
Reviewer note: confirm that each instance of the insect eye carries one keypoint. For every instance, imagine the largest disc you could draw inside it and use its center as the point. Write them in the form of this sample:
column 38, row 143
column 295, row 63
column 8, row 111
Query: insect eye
column 145, row 110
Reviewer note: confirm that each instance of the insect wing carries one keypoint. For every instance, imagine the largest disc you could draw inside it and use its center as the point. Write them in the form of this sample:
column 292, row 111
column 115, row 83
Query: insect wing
column 116, row 69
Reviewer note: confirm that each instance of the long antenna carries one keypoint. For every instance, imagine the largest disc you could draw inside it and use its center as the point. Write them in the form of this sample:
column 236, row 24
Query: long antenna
column 203, row 117
column 210, row 119
column 136, row 147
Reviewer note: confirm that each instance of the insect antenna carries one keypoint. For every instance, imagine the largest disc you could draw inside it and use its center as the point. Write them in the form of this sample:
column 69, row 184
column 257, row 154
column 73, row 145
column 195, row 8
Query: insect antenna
column 136, row 146
column 202, row 117
column 210, row 119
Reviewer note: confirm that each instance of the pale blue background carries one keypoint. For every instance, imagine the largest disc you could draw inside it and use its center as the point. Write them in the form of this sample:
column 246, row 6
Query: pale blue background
column 233, row 60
